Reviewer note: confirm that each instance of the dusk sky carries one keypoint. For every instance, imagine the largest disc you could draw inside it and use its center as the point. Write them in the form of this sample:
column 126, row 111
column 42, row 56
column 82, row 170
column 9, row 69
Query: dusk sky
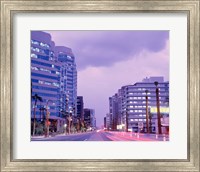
column 108, row 60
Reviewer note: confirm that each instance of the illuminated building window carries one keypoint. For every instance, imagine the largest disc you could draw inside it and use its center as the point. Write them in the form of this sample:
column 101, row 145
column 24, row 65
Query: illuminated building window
column 33, row 55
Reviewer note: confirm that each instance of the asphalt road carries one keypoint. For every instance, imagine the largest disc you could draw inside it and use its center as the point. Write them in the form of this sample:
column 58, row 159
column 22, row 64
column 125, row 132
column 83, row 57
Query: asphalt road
column 91, row 136
column 104, row 136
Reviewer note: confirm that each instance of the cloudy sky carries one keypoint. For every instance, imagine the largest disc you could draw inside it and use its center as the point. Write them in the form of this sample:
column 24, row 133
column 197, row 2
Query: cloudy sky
column 107, row 60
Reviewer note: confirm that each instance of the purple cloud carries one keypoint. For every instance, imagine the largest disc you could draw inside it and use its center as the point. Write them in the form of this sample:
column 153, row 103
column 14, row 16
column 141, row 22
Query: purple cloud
column 105, row 48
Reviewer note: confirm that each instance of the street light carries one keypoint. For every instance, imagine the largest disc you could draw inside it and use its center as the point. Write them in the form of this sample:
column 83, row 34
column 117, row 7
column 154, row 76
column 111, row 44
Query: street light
column 47, row 119
column 158, row 108
column 147, row 114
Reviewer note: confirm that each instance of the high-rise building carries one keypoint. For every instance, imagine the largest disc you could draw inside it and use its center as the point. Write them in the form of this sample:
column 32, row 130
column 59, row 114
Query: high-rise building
column 80, row 107
column 68, row 79
column 93, row 119
column 53, row 79
column 108, row 121
column 104, row 123
column 114, row 111
column 130, row 110
column 89, row 118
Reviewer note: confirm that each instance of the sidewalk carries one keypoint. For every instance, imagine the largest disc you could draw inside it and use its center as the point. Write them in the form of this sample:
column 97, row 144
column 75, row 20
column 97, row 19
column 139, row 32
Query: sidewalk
column 131, row 136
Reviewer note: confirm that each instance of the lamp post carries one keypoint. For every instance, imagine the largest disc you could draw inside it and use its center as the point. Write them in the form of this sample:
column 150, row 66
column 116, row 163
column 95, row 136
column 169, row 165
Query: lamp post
column 158, row 108
column 67, row 100
column 147, row 114
column 47, row 119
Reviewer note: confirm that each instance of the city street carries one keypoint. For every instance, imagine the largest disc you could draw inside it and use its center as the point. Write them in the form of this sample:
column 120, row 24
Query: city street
column 100, row 135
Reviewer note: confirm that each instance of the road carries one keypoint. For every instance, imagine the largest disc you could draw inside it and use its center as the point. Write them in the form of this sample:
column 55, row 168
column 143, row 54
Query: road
column 103, row 136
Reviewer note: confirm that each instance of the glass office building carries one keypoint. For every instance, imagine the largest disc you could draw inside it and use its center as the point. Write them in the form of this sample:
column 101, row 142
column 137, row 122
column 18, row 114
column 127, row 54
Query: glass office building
column 129, row 104
column 53, row 78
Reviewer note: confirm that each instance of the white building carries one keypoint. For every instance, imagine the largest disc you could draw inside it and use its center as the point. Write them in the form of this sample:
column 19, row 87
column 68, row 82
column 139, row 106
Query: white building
column 132, row 104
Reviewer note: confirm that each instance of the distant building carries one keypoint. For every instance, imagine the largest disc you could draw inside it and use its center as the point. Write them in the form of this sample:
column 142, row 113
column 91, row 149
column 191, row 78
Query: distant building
column 80, row 107
column 104, row 123
column 108, row 121
column 89, row 118
column 92, row 118
column 114, row 111
column 128, row 106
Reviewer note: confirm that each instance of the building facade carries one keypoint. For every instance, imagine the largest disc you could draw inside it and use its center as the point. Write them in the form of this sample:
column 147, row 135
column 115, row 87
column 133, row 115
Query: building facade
column 89, row 118
column 80, row 107
column 68, row 80
column 53, row 79
column 131, row 110
column 108, row 121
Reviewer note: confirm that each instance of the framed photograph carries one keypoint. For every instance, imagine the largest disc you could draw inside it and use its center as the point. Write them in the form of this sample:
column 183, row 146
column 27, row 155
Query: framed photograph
column 100, row 85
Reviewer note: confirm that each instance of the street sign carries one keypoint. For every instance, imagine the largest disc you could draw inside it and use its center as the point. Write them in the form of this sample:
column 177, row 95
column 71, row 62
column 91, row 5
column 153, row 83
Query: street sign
column 140, row 125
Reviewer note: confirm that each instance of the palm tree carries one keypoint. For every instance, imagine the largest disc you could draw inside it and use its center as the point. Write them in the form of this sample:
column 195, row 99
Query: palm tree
column 147, row 113
column 36, row 98
column 158, row 108
column 127, row 120
column 150, row 122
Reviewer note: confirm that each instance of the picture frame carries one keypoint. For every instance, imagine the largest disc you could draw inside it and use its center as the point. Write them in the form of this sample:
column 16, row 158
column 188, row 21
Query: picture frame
column 11, row 8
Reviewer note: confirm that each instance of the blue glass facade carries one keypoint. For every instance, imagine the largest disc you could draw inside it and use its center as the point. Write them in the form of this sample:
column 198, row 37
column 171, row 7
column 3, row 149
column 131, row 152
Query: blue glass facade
column 53, row 78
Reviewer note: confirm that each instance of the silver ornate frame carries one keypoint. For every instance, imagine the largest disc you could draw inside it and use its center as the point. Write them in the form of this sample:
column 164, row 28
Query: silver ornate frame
column 10, row 7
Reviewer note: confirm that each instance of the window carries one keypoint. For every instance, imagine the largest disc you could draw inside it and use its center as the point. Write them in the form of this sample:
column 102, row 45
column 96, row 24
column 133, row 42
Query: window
column 41, row 63
column 33, row 55
column 34, row 68
column 69, row 57
column 34, row 42
column 41, row 82
column 44, row 76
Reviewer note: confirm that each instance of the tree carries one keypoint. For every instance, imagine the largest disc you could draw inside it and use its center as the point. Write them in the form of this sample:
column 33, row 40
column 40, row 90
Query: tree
column 35, row 98
column 158, row 108
column 150, row 122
